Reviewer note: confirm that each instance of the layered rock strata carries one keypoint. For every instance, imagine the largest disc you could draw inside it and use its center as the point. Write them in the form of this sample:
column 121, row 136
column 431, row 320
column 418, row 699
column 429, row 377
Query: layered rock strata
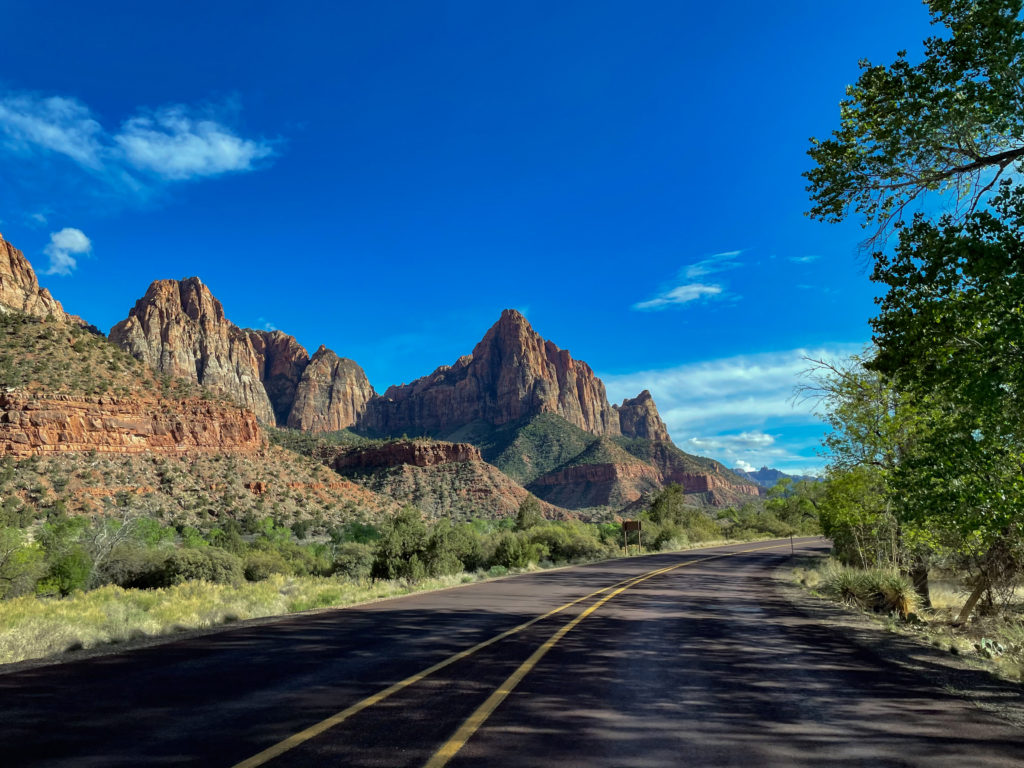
column 412, row 452
column 38, row 424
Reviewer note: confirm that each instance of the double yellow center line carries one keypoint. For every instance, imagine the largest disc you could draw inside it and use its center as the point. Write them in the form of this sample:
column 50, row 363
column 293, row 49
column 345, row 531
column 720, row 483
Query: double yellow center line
column 468, row 728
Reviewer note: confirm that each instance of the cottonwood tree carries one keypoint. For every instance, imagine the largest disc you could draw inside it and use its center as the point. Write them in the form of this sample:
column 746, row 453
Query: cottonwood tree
column 954, row 122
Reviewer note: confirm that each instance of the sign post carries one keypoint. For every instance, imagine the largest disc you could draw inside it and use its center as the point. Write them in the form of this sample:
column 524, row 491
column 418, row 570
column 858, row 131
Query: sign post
column 632, row 525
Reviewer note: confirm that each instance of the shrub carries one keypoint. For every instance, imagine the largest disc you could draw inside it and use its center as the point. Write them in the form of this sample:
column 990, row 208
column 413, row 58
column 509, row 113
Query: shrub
column 69, row 571
column 260, row 564
column 210, row 564
column 353, row 560
column 877, row 589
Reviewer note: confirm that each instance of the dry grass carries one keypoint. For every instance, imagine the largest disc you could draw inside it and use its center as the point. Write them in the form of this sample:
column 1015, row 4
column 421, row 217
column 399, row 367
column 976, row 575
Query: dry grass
column 996, row 642
column 32, row 628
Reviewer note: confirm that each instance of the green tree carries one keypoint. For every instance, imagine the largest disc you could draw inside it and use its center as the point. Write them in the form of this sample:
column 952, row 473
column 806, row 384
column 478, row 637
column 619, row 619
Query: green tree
column 401, row 550
column 529, row 513
column 954, row 121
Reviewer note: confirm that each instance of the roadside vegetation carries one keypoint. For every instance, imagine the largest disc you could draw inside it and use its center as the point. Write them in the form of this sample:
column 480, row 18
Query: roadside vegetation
column 70, row 582
column 926, row 475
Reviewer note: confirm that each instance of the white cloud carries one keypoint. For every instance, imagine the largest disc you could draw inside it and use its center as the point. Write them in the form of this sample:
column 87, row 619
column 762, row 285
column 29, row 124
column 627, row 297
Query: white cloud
column 719, row 262
column 804, row 259
column 722, row 407
column 681, row 294
column 173, row 145
column 63, row 248
column 151, row 148
column 686, row 290
column 53, row 124
column 745, row 466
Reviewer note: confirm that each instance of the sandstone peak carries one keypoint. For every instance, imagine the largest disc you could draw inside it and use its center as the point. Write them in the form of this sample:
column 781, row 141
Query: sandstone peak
column 512, row 374
column 331, row 395
column 19, row 286
column 639, row 417
column 179, row 328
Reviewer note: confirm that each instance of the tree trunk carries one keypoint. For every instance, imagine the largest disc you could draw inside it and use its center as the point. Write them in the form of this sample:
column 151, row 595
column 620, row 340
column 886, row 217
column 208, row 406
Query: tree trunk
column 979, row 590
column 919, row 575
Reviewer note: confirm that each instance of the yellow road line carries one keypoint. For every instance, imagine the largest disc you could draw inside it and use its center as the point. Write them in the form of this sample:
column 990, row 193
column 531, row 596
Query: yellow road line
column 485, row 710
column 297, row 739
column 316, row 729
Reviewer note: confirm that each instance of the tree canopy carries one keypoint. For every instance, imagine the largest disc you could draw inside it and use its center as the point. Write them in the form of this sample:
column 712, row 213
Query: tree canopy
column 952, row 122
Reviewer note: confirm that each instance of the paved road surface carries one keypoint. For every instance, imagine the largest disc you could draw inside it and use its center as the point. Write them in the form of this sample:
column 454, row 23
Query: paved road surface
column 698, row 665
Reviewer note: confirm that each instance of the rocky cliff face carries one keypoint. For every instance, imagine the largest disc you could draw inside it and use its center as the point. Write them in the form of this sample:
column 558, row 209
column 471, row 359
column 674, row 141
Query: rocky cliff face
column 19, row 287
column 639, row 417
column 39, row 424
column 512, row 374
column 412, row 452
column 331, row 395
column 281, row 361
column 179, row 328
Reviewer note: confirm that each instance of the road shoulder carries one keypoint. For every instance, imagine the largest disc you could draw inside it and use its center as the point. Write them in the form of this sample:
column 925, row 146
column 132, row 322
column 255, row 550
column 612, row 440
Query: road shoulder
column 953, row 674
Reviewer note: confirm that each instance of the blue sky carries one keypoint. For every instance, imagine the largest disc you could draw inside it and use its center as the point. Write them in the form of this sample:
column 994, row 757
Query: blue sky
column 385, row 178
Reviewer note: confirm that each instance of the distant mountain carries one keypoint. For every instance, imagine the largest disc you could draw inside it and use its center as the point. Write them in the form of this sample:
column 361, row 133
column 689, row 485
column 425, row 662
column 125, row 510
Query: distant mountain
column 768, row 478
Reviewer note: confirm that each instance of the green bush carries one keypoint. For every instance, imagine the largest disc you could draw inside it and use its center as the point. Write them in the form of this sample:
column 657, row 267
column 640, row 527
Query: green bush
column 258, row 565
column 69, row 571
column 210, row 564
column 353, row 560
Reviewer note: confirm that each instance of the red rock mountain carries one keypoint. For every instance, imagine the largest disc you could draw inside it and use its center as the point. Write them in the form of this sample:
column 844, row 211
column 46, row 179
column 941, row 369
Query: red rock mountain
column 19, row 288
column 179, row 328
column 512, row 374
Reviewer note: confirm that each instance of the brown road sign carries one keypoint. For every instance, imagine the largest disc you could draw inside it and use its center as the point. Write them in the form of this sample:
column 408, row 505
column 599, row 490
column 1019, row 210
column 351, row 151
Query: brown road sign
column 631, row 525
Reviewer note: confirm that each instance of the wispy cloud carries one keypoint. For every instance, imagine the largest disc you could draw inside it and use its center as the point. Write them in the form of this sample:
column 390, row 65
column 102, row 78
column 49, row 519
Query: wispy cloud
column 681, row 294
column 686, row 290
column 147, row 151
column 719, row 262
column 63, row 249
column 804, row 259
column 737, row 407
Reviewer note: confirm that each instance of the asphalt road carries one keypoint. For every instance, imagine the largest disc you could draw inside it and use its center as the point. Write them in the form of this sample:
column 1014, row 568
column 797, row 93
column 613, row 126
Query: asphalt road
column 702, row 664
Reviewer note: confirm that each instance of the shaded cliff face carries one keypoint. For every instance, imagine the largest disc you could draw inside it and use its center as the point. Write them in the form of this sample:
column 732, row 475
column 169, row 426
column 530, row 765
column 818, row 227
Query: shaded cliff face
column 281, row 361
column 639, row 417
column 39, row 424
column 331, row 395
column 179, row 328
column 511, row 375
column 19, row 287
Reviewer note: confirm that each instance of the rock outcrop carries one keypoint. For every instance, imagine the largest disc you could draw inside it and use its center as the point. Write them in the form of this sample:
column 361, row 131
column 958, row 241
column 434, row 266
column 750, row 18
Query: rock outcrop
column 281, row 361
column 331, row 395
column 512, row 374
column 442, row 479
column 38, row 424
column 597, row 485
column 179, row 328
column 19, row 287
column 416, row 453
column 639, row 417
